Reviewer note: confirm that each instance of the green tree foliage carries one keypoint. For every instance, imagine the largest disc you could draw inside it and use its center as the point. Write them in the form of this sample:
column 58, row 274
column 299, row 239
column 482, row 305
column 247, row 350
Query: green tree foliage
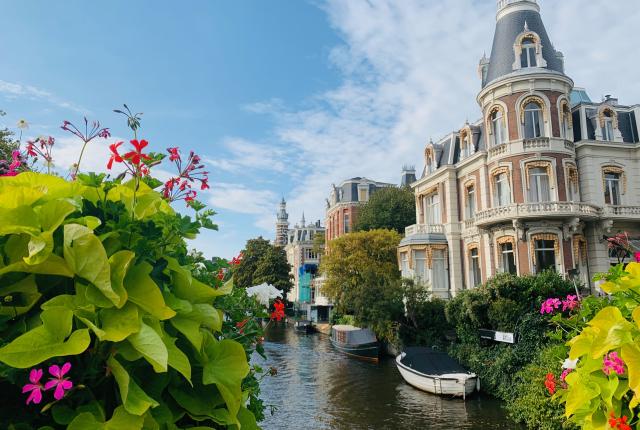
column 318, row 243
column 7, row 142
column 263, row 262
column 424, row 322
column 363, row 279
column 390, row 208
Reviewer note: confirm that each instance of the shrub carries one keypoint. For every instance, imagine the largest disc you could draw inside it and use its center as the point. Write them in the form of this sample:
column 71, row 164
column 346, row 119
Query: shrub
column 424, row 322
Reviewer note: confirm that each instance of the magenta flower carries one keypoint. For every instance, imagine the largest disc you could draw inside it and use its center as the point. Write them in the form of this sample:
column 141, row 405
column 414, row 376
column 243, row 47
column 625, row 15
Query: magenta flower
column 613, row 363
column 59, row 381
column 550, row 305
column 565, row 372
column 571, row 303
column 35, row 387
column 637, row 257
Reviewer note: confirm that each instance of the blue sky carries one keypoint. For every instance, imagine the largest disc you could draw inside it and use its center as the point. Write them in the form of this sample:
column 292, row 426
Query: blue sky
column 282, row 98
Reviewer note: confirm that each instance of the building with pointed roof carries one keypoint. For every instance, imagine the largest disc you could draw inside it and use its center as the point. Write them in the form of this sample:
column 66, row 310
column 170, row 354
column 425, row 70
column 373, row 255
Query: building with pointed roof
column 282, row 225
column 538, row 182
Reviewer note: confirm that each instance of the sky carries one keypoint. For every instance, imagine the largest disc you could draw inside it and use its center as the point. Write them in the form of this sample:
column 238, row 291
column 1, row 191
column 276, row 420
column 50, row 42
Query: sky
column 280, row 98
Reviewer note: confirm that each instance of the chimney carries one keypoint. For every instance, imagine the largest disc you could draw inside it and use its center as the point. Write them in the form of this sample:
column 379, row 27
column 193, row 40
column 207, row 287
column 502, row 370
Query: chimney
column 408, row 176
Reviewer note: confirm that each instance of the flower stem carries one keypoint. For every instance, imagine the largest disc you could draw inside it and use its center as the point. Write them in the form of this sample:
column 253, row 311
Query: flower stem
column 80, row 159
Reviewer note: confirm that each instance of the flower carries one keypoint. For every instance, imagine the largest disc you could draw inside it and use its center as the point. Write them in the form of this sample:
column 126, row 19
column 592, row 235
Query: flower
column 115, row 156
column 136, row 156
column 35, row 386
column 22, row 124
column 174, row 155
column 278, row 313
column 618, row 423
column 612, row 362
column 564, row 374
column 570, row 364
column 221, row 274
column 571, row 303
column 636, row 256
column 549, row 305
column 104, row 133
column 550, row 383
column 59, row 382
column 236, row 260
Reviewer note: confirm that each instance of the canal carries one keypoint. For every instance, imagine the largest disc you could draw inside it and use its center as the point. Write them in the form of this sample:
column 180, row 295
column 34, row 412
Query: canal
column 319, row 388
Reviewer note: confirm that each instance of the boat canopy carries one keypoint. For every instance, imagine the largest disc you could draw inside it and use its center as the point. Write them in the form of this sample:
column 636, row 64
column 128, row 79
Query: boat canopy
column 430, row 362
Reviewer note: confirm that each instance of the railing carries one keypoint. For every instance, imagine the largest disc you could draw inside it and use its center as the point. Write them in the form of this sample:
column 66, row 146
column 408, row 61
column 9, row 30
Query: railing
column 520, row 210
column 538, row 142
column 632, row 211
column 469, row 223
column 498, row 150
column 569, row 145
column 505, row 3
column 423, row 229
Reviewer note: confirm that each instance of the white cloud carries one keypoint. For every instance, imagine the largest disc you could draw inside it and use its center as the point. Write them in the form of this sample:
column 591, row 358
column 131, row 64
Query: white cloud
column 250, row 156
column 16, row 90
column 244, row 200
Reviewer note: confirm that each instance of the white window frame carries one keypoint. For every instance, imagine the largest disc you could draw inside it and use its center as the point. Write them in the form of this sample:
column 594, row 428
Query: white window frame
column 499, row 198
column 536, row 116
column 529, row 51
column 534, row 177
column 497, row 125
column 432, row 209
column 536, row 250
column 474, row 263
column 504, row 254
column 608, row 184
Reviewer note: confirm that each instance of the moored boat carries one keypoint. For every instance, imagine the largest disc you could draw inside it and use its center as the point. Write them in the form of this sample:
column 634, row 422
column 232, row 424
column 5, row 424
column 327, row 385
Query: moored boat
column 355, row 341
column 303, row 326
column 435, row 372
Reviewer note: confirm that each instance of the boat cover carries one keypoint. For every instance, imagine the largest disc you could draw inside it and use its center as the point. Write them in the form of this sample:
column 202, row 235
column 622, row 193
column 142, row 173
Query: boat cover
column 351, row 335
column 431, row 362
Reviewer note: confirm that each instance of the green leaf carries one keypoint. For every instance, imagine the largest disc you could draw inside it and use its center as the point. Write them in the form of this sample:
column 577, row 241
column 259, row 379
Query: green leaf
column 121, row 420
column 134, row 399
column 190, row 329
column 227, row 367
column 87, row 258
column 611, row 331
column 119, row 264
column 118, row 324
column 40, row 248
column 176, row 358
column 185, row 287
column 200, row 402
column 18, row 298
column 636, row 316
column 631, row 355
column 22, row 219
column 53, row 213
column 582, row 391
column 246, row 419
column 46, row 341
column 145, row 293
column 149, row 343
column 54, row 265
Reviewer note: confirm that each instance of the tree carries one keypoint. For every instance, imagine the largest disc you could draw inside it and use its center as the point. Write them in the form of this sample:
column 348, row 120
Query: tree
column 318, row 243
column 389, row 208
column 7, row 143
column 362, row 278
column 263, row 262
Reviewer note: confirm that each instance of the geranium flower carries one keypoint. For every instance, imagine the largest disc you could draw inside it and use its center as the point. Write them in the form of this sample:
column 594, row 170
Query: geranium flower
column 636, row 256
column 618, row 423
column 60, row 383
column 174, row 155
column 136, row 156
column 564, row 374
column 236, row 260
column 549, row 305
column 278, row 313
column 550, row 383
column 115, row 156
column 571, row 303
column 613, row 363
column 220, row 275
column 35, row 387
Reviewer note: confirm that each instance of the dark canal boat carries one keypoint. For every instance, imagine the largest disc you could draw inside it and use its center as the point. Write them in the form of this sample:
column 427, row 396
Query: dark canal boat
column 303, row 326
column 356, row 342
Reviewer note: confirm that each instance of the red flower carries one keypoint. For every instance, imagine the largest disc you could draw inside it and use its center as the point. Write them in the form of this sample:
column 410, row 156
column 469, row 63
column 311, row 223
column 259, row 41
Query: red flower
column 278, row 313
column 550, row 383
column 236, row 260
column 204, row 184
column 173, row 154
column 618, row 423
column 31, row 149
column 135, row 157
column 220, row 274
column 114, row 154
column 191, row 195
column 104, row 133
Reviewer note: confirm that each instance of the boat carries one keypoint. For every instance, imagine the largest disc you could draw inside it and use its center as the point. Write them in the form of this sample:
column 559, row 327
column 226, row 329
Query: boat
column 303, row 326
column 436, row 372
column 355, row 341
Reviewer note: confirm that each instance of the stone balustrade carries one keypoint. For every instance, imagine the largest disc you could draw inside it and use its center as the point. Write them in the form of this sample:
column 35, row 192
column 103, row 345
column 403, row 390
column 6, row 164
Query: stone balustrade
column 530, row 145
column 424, row 229
column 610, row 211
column 541, row 210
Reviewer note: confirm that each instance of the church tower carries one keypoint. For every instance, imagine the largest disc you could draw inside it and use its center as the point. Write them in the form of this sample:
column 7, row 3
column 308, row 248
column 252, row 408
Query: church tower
column 282, row 224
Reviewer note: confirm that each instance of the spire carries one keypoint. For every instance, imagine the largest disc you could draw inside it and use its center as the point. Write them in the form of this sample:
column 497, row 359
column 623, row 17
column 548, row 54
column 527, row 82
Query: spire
column 302, row 221
column 283, row 216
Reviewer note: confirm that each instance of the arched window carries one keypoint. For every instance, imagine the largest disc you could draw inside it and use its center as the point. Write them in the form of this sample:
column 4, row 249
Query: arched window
column 614, row 182
column 502, row 187
column 528, row 54
column 430, row 160
column 475, row 274
column 539, row 181
column 607, row 126
column 533, row 125
column 566, row 121
column 545, row 249
column 470, row 201
column 498, row 130
column 573, row 184
column 507, row 255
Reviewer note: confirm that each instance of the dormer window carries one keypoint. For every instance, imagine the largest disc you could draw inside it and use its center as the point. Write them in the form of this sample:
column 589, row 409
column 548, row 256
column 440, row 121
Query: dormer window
column 466, row 146
column 528, row 54
column 533, row 125
column 607, row 126
column 430, row 161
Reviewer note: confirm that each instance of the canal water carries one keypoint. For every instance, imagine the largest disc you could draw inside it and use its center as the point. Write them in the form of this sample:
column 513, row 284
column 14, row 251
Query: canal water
column 319, row 388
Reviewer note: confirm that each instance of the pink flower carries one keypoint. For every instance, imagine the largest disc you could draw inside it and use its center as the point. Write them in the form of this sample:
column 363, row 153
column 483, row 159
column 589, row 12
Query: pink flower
column 35, row 387
column 59, row 381
column 571, row 303
column 173, row 154
column 637, row 257
column 549, row 306
column 104, row 133
column 612, row 362
column 565, row 372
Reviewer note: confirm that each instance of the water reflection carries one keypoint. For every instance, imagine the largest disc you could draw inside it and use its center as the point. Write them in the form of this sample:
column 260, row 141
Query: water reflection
column 319, row 388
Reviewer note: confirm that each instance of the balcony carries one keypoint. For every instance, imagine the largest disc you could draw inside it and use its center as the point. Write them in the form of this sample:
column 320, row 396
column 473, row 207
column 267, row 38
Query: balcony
column 531, row 145
column 536, row 210
column 621, row 212
column 424, row 229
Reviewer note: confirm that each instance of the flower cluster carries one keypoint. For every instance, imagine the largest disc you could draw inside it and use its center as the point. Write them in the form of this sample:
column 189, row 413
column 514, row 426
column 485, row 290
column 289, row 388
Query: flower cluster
column 59, row 382
column 550, row 383
column 189, row 172
column 42, row 147
column 235, row 261
column 550, row 305
column 241, row 325
column 618, row 423
column 620, row 246
column 564, row 374
column 278, row 313
column 10, row 169
column 132, row 160
column 612, row 363
column 89, row 133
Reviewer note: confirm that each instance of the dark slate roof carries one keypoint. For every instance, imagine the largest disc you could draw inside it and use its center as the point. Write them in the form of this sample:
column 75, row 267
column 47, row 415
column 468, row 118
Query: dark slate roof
column 627, row 125
column 507, row 29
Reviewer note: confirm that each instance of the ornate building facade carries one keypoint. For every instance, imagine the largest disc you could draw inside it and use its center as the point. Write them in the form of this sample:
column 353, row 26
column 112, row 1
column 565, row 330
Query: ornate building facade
column 537, row 183
column 282, row 225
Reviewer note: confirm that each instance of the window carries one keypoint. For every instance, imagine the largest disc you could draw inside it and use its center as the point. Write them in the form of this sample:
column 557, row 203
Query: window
column 607, row 127
column 528, row 55
column 565, row 123
column 439, row 270
column 612, row 188
column 497, row 128
column 363, row 193
column 573, row 191
column 466, row 148
column 539, row 190
column 475, row 278
column 545, row 255
column 345, row 222
column 404, row 264
column 508, row 258
column 470, row 203
column 532, row 121
column 503, row 189
column 432, row 209
column 421, row 266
